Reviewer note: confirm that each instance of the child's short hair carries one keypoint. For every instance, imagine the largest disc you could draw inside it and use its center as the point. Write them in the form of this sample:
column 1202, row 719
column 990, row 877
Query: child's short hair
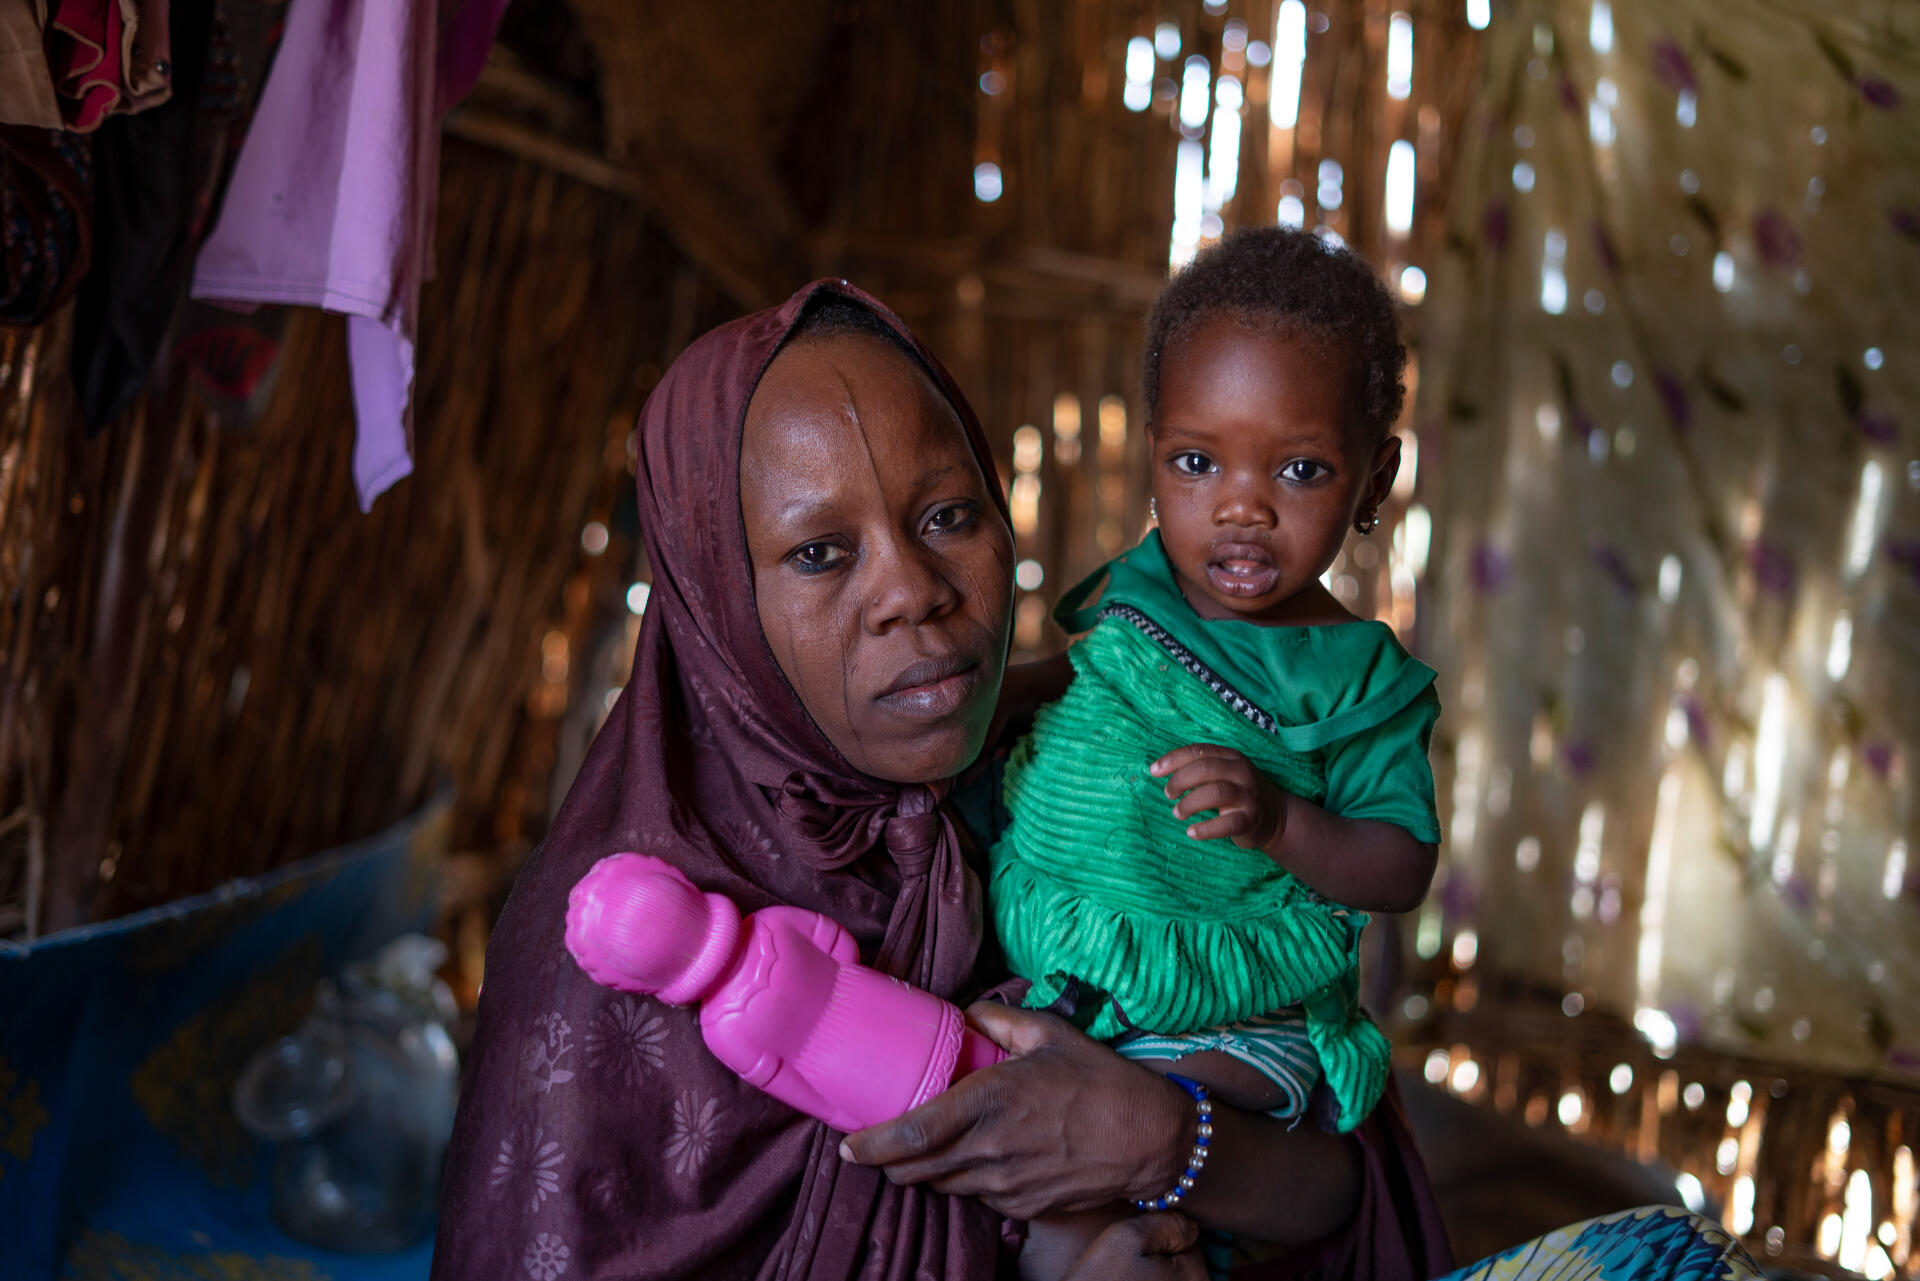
column 1285, row 279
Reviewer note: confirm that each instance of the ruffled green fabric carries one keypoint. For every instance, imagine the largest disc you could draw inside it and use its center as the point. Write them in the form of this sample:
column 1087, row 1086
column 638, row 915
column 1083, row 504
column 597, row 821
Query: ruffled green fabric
column 1181, row 934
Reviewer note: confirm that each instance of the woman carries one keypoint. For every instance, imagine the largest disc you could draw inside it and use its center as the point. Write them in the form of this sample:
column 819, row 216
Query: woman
column 809, row 674
column 822, row 650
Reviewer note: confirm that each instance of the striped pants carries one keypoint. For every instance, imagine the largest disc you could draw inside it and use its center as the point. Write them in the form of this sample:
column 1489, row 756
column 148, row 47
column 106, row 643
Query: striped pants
column 1274, row 1045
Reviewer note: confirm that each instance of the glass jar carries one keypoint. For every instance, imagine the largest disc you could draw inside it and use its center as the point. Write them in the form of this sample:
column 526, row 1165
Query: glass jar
column 359, row 1103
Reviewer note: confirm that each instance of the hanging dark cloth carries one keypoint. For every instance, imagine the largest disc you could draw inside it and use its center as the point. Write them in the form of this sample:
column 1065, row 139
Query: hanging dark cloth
column 232, row 356
column 144, row 205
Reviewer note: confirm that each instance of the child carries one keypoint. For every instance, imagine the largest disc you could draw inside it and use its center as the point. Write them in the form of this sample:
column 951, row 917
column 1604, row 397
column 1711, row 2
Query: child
column 1238, row 770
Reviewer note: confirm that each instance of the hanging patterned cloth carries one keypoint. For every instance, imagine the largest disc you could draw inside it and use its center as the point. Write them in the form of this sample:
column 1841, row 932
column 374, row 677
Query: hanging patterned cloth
column 46, row 222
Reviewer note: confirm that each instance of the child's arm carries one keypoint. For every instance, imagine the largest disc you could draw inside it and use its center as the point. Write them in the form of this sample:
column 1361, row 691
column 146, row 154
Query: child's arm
column 1361, row 862
column 1373, row 866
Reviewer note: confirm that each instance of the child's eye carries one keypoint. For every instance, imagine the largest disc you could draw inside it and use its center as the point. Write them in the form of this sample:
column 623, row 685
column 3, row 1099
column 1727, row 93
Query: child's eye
column 951, row 518
column 1192, row 464
column 1303, row 471
column 815, row 558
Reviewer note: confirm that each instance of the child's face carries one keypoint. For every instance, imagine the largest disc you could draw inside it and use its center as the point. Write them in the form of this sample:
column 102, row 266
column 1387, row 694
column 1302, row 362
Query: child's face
column 1256, row 474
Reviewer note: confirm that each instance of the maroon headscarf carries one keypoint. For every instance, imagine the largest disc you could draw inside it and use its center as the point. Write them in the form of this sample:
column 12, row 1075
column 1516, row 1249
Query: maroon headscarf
column 597, row 1136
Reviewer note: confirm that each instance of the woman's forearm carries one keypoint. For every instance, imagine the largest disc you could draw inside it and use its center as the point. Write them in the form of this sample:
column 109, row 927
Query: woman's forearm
column 1275, row 1183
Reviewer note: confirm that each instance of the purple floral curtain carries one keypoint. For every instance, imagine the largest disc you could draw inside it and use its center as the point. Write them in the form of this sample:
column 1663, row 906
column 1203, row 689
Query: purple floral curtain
column 1669, row 428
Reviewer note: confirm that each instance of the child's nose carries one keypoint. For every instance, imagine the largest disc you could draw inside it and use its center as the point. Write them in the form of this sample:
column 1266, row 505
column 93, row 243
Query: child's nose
column 1243, row 503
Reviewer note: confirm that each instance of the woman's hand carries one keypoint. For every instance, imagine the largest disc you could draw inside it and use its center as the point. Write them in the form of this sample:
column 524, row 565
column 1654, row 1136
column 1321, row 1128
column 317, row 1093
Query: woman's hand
column 1151, row 1247
column 1064, row 1124
column 1205, row 776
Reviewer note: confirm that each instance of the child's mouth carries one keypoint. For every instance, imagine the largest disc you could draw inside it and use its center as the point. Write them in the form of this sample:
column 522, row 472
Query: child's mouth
column 1242, row 569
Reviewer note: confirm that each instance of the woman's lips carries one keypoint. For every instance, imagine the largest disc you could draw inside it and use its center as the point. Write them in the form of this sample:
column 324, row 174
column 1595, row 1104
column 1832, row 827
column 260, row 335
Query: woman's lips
column 1242, row 569
column 933, row 688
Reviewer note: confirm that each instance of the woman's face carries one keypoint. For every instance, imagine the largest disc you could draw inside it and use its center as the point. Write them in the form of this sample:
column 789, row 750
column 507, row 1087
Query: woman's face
column 882, row 570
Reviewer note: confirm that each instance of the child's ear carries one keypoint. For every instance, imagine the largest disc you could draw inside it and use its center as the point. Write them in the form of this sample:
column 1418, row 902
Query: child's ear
column 1386, row 466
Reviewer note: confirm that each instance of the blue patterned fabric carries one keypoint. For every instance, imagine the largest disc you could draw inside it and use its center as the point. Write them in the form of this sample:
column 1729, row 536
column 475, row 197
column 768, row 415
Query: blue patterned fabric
column 1653, row 1243
column 120, row 1156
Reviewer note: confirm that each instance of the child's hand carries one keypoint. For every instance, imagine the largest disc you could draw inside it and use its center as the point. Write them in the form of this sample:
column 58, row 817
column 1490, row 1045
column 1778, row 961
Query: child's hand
column 1206, row 776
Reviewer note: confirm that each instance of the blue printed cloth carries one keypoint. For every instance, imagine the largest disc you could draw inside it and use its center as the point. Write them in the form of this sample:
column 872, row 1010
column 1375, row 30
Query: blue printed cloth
column 1653, row 1243
column 120, row 1156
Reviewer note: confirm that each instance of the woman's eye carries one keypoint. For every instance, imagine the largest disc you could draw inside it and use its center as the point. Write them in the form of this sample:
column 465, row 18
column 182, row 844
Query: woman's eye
column 815, row 557
column 1303, row 470
column 954, row 516
column 1192, row 464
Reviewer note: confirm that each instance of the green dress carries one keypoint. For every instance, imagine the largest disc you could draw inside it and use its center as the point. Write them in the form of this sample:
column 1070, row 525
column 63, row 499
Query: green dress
column 1097, row 885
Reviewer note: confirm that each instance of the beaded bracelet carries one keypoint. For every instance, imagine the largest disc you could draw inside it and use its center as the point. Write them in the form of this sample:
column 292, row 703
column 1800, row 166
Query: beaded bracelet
column 1197, row 1159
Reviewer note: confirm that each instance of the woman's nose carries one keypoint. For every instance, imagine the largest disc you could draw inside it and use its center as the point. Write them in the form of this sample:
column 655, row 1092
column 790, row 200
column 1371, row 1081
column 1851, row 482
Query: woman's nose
column 908, row 586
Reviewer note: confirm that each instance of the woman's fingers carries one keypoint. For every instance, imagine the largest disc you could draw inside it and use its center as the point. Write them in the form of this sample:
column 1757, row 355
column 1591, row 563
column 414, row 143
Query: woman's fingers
column 990, row 1185
column 904, row 1141
column 1064, row 1124
column 954, row 1178
column 1014, row 1030
column 955, row 1142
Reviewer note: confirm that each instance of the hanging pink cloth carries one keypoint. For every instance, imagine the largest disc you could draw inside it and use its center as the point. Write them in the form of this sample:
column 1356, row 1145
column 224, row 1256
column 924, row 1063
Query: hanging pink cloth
column 332, row 199
column 85, row 47
column 108, row 57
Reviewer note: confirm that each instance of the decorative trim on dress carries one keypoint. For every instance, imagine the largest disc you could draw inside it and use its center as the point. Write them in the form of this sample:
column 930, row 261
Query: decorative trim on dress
column 1180, row 654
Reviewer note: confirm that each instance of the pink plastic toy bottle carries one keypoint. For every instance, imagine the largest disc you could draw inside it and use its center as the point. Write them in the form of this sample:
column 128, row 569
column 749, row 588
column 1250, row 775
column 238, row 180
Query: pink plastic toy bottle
column 784, row 1000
